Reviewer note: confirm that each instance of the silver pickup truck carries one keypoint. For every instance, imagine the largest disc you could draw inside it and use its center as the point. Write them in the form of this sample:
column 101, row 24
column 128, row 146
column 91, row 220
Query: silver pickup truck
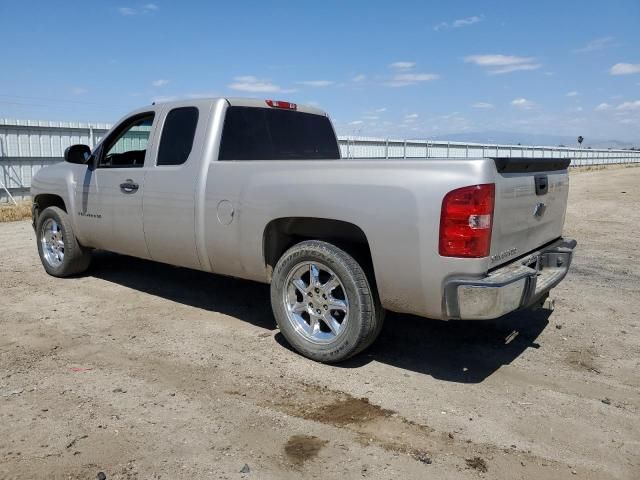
column 257, row 189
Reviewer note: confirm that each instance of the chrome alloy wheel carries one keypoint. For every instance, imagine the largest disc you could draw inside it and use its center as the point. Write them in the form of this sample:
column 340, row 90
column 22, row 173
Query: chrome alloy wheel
column 316, row 302
column 52, row 243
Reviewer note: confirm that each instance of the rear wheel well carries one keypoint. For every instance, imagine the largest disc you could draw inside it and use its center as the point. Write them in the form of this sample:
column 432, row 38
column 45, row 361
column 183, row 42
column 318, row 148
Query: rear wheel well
column 282, row 233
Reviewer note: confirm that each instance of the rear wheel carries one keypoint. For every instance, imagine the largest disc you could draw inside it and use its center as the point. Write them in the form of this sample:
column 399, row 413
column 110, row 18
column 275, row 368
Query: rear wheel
column 323, row 302
column 60, row 253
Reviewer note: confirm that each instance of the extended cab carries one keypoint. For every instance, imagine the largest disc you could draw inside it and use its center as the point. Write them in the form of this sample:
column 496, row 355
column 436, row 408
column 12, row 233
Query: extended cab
column 257, row 189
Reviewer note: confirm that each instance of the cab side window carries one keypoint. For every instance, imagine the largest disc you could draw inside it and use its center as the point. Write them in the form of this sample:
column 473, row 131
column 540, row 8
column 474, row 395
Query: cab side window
column 177, row 136
column 128, row 146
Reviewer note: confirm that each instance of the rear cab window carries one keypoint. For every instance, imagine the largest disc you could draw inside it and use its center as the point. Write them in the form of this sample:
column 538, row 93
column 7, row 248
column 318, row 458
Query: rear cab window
column 177, row 136
column 252, row 133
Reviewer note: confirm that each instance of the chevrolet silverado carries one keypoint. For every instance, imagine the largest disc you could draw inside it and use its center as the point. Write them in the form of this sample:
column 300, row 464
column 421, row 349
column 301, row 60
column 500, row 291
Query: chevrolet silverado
column 257, row 189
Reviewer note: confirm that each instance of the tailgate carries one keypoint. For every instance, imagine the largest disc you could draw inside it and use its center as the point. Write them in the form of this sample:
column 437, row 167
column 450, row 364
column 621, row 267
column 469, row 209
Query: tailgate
column 530, row 205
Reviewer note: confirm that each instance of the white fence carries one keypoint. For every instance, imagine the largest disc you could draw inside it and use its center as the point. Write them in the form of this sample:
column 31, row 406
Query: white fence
column 26, row 146
column 359, row 147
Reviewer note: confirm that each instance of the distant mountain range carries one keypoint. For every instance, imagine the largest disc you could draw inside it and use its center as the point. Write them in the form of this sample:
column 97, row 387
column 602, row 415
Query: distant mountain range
column 514, row 138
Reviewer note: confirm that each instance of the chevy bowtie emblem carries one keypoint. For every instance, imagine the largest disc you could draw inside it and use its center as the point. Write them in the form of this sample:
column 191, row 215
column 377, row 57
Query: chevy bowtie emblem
column 539, row 209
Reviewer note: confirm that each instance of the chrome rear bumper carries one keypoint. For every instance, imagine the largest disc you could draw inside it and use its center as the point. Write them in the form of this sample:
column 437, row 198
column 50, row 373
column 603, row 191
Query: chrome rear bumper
column 517, row 285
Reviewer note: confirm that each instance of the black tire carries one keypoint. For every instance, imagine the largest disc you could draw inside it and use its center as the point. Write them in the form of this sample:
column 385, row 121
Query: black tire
column 75, row 258
column 365, row 314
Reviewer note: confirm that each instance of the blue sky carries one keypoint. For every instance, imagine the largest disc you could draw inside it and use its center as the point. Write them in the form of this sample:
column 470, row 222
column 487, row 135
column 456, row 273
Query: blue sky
column 411, row 69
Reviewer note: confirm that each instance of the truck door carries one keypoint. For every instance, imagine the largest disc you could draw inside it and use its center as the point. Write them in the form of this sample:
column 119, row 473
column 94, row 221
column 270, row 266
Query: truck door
column 109, row 196
column 170, row 186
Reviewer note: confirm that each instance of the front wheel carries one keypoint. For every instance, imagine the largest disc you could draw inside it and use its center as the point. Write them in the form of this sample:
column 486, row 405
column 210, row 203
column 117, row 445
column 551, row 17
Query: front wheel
column 323, row 302
column 60, row 253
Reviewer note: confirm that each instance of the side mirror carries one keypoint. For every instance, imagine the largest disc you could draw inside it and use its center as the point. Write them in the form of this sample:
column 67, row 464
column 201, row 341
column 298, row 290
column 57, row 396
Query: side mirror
column 77, row 154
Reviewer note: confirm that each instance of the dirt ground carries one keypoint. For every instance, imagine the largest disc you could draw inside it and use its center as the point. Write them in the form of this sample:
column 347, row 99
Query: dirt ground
column 142, row 370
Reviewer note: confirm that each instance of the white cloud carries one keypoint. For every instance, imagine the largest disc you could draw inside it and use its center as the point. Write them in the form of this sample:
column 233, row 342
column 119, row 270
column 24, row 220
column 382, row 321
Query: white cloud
column 497, row 60
column 464, row 22
column 603, row 106
column 356, row 122
column 317, row 83
column 497, row 64
column 572, row 94
column 514, row 68
column 411, row 116
column 405, row 79
column 460, row 22
column 359, row 78
column 625, row 68
column 629, row 106
column 146, row 8
column 79, row 90
column 126, row 11
column 370, row 117
column 380, row 110
column 249, row 83
column 441, row 26
column 160, row 82
column 402, row 65
column 595, row 45
column 482, row 105
column 522, row 103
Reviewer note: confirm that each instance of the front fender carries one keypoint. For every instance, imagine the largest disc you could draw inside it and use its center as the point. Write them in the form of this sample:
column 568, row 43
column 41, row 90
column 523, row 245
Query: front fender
column 58, row 180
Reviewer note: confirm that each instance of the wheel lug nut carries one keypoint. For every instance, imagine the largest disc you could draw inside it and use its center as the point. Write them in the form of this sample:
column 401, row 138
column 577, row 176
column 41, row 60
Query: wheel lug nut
column 325, row 307
column 318, row 311
column 311, row 305
column 317, row 290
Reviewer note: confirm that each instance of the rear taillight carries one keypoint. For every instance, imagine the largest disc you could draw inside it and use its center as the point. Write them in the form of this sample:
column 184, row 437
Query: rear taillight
column 281, row 104
column 466, row 220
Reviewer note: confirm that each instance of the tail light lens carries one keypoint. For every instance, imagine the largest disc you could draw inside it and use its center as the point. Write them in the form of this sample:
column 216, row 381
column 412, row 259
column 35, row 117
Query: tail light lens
column 466, row 220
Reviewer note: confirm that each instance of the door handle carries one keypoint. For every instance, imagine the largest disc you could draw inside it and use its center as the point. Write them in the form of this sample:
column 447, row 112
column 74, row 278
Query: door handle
column 129, row 186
